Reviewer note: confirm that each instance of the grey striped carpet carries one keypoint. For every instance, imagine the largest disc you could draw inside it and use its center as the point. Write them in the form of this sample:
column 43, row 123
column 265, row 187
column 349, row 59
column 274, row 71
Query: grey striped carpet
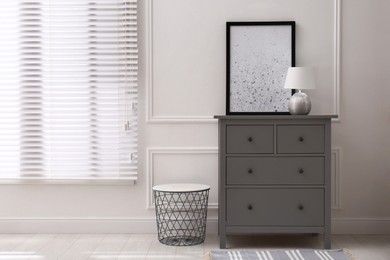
column 296, row 254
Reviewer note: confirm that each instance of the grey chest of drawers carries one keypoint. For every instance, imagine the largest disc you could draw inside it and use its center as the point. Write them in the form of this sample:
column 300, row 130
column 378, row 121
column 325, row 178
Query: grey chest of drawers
column 274, row 175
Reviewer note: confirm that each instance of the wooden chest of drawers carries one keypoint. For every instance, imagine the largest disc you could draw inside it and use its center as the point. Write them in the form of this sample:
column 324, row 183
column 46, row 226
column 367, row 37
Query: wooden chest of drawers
column 274, row 175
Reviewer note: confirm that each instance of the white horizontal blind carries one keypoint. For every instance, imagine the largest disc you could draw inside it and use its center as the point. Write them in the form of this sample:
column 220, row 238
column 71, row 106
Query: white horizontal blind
column 68, row 89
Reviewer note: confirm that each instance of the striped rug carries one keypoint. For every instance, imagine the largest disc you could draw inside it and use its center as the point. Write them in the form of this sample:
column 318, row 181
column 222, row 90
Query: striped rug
column 296, row 254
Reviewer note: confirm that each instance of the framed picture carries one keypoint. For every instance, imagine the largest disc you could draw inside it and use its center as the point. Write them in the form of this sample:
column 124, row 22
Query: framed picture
column 258, row 56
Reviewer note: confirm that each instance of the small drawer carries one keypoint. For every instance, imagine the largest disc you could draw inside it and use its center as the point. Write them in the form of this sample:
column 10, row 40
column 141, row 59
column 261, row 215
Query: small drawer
column 275, row 170
column 300, row 139
column 275, row 207
column 250, row 139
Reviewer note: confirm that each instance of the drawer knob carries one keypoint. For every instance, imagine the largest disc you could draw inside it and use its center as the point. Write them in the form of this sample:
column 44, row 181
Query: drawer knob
column 301, row 171
column 250, row 171
column 301, row 139
column 250, row 207
column 300, row 207
column 250, row 139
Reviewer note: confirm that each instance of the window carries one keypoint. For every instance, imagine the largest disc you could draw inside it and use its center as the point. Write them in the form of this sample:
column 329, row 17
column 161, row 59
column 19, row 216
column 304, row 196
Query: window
column 68, row 89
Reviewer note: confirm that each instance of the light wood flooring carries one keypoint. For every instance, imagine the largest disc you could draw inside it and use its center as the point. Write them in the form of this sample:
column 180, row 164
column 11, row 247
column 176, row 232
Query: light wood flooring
column 142, row 246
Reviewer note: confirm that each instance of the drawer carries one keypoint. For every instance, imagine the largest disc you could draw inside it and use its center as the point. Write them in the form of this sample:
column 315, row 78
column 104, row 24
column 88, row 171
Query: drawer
column 275, row 207
column 275, row 170
column 300, row 139
column 250, row 139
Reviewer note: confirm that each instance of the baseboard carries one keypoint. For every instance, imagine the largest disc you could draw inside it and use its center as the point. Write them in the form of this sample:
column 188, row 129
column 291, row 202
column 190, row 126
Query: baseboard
column 372, row 226
column 148, row 225
column 87, row 225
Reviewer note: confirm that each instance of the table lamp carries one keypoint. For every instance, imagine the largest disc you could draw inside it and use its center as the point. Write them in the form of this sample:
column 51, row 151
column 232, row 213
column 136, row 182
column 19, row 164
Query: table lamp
column 299, row 78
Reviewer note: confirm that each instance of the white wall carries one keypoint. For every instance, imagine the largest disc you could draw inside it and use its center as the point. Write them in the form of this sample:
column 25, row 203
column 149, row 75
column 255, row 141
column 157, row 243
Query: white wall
column 182, row 85
column 364, row 134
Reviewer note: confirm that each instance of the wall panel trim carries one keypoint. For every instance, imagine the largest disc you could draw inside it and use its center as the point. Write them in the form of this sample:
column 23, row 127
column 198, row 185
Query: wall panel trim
column 335, row 178
column 336, row 57
column 150, row 117
column 152, row 151
column 166, row 119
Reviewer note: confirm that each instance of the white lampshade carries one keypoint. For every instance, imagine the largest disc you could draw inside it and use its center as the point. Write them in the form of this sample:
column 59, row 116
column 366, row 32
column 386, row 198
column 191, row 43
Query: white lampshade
column 300, row 78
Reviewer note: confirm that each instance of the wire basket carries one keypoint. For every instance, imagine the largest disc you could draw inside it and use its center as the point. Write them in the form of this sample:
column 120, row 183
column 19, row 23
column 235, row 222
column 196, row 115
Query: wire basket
column 181, row 217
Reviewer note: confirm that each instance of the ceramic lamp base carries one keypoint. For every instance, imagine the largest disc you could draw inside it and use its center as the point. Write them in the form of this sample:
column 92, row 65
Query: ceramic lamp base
column 299, row 104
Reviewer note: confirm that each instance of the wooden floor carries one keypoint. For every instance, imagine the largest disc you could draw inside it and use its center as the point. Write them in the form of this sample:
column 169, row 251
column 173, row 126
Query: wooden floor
column 101, row 246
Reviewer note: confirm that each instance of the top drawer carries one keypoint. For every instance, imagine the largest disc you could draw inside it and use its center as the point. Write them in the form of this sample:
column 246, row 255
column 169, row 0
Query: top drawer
column 250, row 139
column 300, row 139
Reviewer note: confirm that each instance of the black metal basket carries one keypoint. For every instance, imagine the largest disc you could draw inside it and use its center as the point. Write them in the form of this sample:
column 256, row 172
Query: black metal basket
column 181, row 217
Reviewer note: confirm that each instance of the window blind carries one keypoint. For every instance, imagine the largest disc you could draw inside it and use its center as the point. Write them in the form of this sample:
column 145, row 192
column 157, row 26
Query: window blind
column 68, row 89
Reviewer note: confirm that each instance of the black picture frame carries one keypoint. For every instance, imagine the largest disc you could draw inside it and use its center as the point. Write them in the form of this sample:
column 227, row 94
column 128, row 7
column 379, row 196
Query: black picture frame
column 233, row 84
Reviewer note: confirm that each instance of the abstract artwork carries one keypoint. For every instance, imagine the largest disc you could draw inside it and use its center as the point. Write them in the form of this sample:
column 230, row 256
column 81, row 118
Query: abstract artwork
column 258, row 56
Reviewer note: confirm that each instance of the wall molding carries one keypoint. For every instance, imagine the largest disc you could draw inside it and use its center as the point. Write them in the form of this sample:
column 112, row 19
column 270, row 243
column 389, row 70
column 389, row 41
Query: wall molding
column 372, row 226
column 336, row 61
column 150, row 154
column 335, row 178
column 181, row 119
column 151, row 118
column 148, row 225
column 86, row 225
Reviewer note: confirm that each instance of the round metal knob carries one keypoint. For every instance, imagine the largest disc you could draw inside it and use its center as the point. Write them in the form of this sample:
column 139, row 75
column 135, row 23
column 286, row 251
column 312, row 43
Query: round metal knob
column 250, row 139
column 301, row 171
column 250, row 207
column 301, row 139
column 250, row 171
column 300, row 207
